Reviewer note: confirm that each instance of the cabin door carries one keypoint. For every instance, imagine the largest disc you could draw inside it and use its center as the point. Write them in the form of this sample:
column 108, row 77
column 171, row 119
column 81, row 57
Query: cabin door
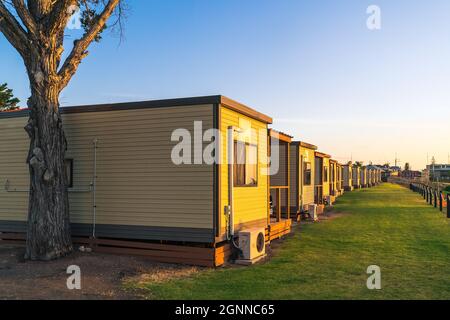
column 318, row 190
column 300, row 184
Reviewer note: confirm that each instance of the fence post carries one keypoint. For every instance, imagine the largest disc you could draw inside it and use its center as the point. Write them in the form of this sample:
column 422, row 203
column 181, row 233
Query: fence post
column 431, row 197
column 448, row 206
column 435, row 198
column 440, row 201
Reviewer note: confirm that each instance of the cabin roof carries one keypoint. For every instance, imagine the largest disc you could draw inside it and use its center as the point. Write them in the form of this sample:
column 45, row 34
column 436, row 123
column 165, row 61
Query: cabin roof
column 322, row 155
column 280, row 135
column 305, row 145
column 217, row 99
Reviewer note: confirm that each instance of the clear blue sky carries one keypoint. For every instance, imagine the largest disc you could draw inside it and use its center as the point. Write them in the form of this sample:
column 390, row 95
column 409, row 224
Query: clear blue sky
column 312, row 65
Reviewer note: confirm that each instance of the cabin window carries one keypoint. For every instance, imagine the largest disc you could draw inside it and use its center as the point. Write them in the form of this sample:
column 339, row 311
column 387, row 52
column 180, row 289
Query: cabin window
column 69, row 172
column 325, row 174
column 245, row 172
column 307, row 173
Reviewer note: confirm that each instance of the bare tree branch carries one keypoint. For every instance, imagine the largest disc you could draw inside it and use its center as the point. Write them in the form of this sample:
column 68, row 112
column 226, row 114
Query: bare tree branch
column 40, row 8
column 13, row 31
column 59, row 16
column 25, row 16
column 79, row 52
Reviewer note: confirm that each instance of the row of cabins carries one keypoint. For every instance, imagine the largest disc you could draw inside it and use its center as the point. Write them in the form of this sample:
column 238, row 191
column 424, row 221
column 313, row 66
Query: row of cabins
column 356, row 176
column 176, row 180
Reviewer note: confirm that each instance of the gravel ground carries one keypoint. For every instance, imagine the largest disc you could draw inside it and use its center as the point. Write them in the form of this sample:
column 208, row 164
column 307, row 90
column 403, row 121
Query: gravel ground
column 102, row 276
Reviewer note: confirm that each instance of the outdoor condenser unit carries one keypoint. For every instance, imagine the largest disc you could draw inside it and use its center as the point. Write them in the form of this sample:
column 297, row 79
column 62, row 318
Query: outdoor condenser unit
column 253, row 245
column 329, row 200
column 312, row 210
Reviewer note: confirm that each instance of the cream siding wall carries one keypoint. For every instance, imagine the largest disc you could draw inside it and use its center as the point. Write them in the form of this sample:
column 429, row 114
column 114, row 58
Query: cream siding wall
column 348, row 172
column 13, row 154
column 295, row 176
column 363, row 173
column 250, row 203
column 137, row 184
column 280, row 177
column 340, row 177
column 333, row 176
column 371, row 178
column 356, row 178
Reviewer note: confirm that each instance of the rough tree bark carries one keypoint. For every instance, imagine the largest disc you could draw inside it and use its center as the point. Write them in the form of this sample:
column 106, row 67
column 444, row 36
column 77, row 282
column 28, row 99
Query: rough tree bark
column 48, row 235
column 39, row 41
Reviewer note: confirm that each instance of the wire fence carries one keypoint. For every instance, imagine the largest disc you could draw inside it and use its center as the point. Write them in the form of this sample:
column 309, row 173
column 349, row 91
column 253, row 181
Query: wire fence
column 433, row 193
column 434, row 196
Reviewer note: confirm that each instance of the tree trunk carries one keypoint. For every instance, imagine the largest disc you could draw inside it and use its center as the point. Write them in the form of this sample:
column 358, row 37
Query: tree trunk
column 48, row 235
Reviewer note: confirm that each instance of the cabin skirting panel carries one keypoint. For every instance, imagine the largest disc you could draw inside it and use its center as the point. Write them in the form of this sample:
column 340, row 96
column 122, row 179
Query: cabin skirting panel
column 166, row 253
column 127, row 232
column 277, row 230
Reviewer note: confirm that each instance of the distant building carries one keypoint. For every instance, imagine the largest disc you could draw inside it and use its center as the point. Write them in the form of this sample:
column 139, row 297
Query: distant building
column 410, row 174
column 394, row 169
column 387, row 171
column 438, row 172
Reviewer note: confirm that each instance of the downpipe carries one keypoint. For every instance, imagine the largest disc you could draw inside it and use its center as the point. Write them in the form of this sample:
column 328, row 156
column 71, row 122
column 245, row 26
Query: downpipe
column 94, row 191
column 230, row 208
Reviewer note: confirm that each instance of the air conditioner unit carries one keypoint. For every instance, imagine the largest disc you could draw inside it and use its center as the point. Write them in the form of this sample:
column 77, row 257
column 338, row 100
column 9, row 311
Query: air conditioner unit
column 329, row 200
column 253, row 245
column 312, row 211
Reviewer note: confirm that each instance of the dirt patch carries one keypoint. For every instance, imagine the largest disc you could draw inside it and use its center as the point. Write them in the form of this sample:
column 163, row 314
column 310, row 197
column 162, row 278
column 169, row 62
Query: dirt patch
column 163, row 274
column 331, row 215
column 102, row 276
column 328, row 215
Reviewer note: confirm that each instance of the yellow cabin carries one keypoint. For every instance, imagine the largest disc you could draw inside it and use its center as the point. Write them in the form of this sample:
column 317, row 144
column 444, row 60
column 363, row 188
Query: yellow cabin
column 303, row 170
column 148, row 175
column 322, row 178
column 279, row 184
column 356, row 177
column 370, row 177
column 334, row 190
column 340, row 179
column 363, row 177
column 347, row 176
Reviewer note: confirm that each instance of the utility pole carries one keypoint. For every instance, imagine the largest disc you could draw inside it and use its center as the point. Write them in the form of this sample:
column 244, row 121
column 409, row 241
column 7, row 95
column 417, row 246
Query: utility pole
column 397, row 161
column 433, row 163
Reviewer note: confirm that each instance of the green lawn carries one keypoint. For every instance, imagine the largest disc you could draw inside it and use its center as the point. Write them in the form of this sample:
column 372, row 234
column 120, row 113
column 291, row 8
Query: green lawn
column 388, row 226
